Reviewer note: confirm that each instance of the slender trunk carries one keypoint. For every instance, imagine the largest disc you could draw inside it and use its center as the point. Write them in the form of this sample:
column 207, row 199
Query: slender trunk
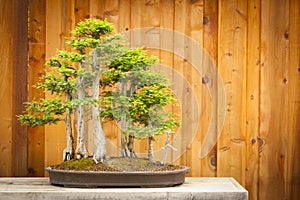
column 99, row 137
column 166, row 150
column 69, row 150
column 167, row 147
column 81, row 149
column 150, row 146
column 124, row 145
column 130, row 146
column 150, row 149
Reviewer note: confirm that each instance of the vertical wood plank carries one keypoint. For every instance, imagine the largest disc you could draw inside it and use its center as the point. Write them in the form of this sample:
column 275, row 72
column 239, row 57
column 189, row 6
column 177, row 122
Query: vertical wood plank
column 146, row 14
column 252, row 98
column 96, row 9
column 232, row 66
column 293, row 187
column 81, row 10
column 274, row 100
column 124, row 21
column 210, row 45
column 55, row 140
column 111, row 12
column 188, row 19
column 6, row 38
column 195, row 31
column 37, row 38
column 182, row 25
column 68, row 20
column 167, row 58
column 19, row 86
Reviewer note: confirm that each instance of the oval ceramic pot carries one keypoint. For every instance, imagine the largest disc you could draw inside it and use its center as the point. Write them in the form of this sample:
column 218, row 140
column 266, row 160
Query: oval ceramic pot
column 69, row 178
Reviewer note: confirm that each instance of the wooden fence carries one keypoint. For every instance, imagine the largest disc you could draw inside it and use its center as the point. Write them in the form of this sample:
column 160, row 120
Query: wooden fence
column 255, row 45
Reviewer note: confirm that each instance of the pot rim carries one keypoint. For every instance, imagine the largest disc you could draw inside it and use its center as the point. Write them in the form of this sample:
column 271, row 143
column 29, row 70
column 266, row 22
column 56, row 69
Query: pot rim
column 184, row 168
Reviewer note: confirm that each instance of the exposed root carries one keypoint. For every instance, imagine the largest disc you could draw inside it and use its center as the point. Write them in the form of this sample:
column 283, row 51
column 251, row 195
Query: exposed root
column 98, row 159
column 68, row 154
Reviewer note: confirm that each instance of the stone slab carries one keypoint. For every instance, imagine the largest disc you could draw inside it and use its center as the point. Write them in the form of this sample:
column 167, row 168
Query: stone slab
column 193, row 188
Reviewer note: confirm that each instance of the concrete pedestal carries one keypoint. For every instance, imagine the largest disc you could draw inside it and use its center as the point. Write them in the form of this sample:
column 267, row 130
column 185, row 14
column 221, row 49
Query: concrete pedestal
column 193, row 188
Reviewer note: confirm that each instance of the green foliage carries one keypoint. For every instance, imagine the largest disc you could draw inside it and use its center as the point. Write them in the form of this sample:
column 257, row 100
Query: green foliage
column 128, row 66
column 56, row 84
column 140, row 90
column 45, row 111
column 109, row 49
column 82, row 43
column 148, row 113
column 93, row 28
column 147, row 97
column 65, row 59
column 65, row 69
column 133, row 59
column 87, row 34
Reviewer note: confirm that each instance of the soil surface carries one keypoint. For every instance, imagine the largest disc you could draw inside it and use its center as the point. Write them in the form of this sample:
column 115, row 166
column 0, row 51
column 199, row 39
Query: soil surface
column 115, row 164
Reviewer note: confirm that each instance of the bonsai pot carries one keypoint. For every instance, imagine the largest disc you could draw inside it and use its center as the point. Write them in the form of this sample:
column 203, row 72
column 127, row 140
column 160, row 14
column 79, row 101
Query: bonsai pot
column 70, row 178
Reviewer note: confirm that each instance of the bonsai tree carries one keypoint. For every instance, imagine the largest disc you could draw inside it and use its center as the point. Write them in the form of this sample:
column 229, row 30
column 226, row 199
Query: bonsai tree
column 60, row 82
column 138, row 102
column 70, row 76
column 94, row 40
column 81, row 79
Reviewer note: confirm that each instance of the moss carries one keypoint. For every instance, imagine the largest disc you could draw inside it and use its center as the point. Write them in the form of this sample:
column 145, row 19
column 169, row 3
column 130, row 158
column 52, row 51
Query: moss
column 115, row 164
column 82, row 164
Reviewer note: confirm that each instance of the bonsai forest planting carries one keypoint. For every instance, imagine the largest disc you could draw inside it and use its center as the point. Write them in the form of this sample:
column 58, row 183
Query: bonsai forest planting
column 100, row 77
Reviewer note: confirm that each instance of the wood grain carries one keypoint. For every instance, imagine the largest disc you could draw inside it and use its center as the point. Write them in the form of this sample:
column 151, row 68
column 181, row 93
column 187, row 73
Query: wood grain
column 253, row 98
column 195, row 31
column 13, row 87
column 37, row 51
column 19, row 86
column 232, row 66
column 124, row 18
column 195, row 188
column 81, row 10
column 166, row 57
column 210, row 45
column 293, row 163
column 55, row 139
column 181, row 16
column 6, row 38
column 274, row 100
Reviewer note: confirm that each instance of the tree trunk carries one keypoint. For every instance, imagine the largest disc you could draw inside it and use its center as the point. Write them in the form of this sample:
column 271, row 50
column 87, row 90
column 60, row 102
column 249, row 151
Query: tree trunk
column 68, row 153
column 124, row 144
column 99, row 137
column 167, row 146
column 131, row 146
column 124, row 147
column 150, row 149
column 81, row 149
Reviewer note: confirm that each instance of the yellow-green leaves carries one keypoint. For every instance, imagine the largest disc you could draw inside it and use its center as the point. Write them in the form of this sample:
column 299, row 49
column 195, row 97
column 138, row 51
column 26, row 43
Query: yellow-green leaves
column 93, row 28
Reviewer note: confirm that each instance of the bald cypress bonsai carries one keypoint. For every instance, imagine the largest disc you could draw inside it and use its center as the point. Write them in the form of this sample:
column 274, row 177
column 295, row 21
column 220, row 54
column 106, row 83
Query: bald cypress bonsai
column 79, row 78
